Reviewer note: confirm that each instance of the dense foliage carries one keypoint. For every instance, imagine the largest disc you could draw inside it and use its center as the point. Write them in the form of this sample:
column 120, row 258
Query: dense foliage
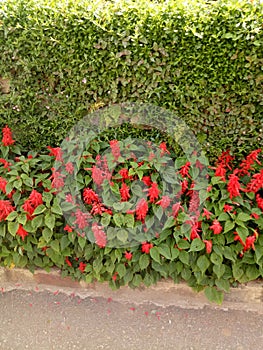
column 200, row 59
column 114, row 215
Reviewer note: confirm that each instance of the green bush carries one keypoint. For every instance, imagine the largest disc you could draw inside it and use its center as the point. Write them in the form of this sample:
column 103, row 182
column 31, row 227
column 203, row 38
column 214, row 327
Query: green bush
column 203, row 61
column 132, row 214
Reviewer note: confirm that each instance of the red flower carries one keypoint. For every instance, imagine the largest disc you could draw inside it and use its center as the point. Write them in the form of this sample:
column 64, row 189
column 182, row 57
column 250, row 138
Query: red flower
column 207, row 214
column 56, row 152
column 29, row 209
column 69, row 168
column 184, row 171
column 233, row 186
column 184, row 186
column 82, row 266
column 97, row 175
column 90, row 196
column 255, row 216
column 57, row 179
column 256, row 183
column 124, row 172
column 141, row 209
column 5, row 209
column 175, row 209
column 228, row 208
column 35, row 198
column 128, row 255
column 153, row 192
column 195, row 229
column 208, row 245
column 194, row 203
column 68, row 262
column 7, row 137
column 259, row 201
column 3, row 183
column 22, row 232
column 221, row 172
column 99, row 235
column 163, row 148
column 246, row 164
column 68, row 228
column 147, row 180
column 164, row 202
column 5, row 163
column 124, row 192
column 69, row 198
column 81, row 219
column 216, row 227
column 115, row 149
column 114, row 277
column 146, row 247
column 250, row 242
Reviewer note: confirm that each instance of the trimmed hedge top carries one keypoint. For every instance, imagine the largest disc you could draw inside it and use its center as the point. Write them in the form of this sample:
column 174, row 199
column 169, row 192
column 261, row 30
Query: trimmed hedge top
column 203, row 61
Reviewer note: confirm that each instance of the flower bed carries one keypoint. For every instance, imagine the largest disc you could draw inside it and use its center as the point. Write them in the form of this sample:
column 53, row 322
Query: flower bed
column 132, row 212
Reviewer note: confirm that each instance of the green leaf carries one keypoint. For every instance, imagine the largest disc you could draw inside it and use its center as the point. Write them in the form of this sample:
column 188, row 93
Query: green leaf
column 105, row 219
column 129, row 220
column 229, row 225
column 184, row 257
column 118, row 219
column 55, row 245
column 144, row 261
column 64, row 242
column 216, row 259
column 50, row 220
column 223, row 217
column 223, row 285
column 219, row 270
column 82, row 242
column 242, row 232
column 12, row 216
column 22, row 218
column 121, row 269
column 165, row 251
column 12, row 227
column 183, row 244
column 155, row 255
column 137, row 280
column 122, row 235
column 37, row 221
column 197, row 245
column 237, row 271
column 203, row 263
column 47, row 234
column 214, row 295
column 243, row 217
column 56, row 209
column 252, row 272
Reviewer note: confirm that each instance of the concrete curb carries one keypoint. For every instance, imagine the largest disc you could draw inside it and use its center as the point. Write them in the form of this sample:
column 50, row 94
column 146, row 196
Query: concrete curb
column 165, row 293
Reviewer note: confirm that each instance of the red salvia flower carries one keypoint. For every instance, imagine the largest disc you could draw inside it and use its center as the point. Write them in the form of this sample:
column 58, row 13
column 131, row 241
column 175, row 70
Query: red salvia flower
column 57, row 179
column 81, row 219
column 227, row 208
column 68, row 228
column 216, row 227
column 124, row 172
column 56, row 152
column 259, row 201
column 195, row 229
column 163, row 148
column 208, row 245
column 184, row 171
column 69, row 198
column 238, row 238
column 220, row 171
column 3, row 183
column 99, row 235
column 97, row 175
column 250, row 242
column 164, row 202
column 115, row 149
column 29, row 209
column 184, row 186
column 255, row 216
column 256, row 183
column 90, row 196
column 35, row 198
column 146, row 247
column 5, row 163
column 141, row 209
column 207, row 214
column 153, row 192
column 97, row 208
column 175, row 209
column 82, row 267
column 233, row 186
column 147, row 180
column 124, row 192
column 22, row 232
column 69, row 168
column 7, row 137
column 194, row 203
column 247, row 163
column 5, row 209
column 128, row 255
column 68, row 262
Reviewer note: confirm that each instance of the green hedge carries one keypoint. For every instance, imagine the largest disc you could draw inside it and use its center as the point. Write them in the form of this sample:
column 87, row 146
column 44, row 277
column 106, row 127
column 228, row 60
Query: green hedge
column 203, row 61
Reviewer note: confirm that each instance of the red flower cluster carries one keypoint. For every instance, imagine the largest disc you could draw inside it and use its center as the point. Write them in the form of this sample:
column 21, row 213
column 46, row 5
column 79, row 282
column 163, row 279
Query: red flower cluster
column 22, row 232
column 34, row 200
column 115, row 149
column 99, row 235
column 146, row 247
column 142, row 209
column 7, row 139
column 153, row 192
column 5, row 209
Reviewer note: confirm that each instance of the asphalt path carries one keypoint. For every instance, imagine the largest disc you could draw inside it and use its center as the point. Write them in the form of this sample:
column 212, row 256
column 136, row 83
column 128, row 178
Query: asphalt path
column 44, row 320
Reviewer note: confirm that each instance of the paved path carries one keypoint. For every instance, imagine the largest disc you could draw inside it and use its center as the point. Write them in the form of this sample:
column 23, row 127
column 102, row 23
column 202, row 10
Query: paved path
column 45, row 320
